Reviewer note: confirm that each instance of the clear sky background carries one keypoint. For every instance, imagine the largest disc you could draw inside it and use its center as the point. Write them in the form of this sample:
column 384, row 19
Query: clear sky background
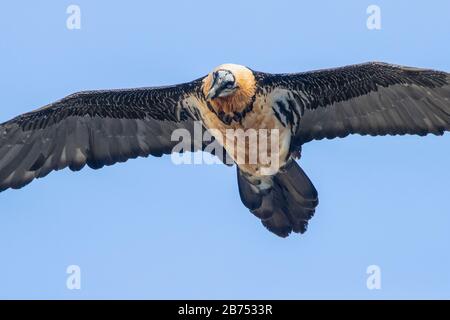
column 150, row 229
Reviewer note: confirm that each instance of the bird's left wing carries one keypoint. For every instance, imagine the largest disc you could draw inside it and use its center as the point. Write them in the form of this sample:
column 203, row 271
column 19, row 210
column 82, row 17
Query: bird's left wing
column 96, row 128
column 368, row 99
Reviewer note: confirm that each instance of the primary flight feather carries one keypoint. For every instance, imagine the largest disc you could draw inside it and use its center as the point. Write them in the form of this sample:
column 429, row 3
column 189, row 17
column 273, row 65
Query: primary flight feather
column 100, row 128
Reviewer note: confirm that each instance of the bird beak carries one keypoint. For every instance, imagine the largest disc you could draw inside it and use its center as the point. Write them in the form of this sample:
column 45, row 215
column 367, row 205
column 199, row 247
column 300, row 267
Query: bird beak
column 213, row 92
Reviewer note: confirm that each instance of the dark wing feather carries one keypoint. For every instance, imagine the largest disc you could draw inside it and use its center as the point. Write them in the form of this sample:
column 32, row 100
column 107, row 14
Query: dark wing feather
column 96, row 128
column 367, row 99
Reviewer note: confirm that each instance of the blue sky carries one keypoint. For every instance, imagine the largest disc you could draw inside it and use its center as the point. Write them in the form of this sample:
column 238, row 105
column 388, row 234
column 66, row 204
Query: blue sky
column 150, row 229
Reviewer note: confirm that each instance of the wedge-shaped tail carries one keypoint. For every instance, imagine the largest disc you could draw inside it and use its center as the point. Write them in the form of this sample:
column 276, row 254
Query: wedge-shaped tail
column 284, row 202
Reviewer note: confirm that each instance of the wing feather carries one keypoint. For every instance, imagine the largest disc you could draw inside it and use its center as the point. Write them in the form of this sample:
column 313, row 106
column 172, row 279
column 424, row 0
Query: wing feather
column 368, row 99
column 96, row 128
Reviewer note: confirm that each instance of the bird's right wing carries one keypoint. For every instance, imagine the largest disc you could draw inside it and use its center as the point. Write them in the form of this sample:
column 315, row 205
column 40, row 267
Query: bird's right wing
column 368, row 99
column 96, row 128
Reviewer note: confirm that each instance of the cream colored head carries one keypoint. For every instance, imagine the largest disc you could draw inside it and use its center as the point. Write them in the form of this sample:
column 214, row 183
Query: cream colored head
column 229, row 87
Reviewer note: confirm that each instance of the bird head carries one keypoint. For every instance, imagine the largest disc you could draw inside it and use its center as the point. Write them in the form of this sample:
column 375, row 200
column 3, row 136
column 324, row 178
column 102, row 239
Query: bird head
column 223, row 84
column 229, row 87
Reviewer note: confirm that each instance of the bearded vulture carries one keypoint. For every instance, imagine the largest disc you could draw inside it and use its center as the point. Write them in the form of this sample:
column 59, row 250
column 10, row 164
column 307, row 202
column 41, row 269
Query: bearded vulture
column 103, row 127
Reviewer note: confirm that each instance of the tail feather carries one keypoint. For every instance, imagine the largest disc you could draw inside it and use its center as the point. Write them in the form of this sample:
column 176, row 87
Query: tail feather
column 284, row 202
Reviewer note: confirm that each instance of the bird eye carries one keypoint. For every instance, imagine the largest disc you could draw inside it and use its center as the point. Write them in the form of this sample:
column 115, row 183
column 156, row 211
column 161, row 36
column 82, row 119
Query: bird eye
column 229, row 84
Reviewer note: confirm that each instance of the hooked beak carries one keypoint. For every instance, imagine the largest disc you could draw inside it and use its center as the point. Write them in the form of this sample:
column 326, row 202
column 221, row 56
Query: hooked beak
column 213, row 92
column 220, row 86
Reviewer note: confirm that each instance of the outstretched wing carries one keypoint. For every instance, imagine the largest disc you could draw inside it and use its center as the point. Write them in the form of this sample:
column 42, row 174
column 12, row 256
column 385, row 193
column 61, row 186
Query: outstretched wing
column 96, row 128
column 367, row 99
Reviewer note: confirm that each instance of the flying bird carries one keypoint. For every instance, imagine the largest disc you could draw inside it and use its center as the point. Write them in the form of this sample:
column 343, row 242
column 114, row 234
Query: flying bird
column 104, row 127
